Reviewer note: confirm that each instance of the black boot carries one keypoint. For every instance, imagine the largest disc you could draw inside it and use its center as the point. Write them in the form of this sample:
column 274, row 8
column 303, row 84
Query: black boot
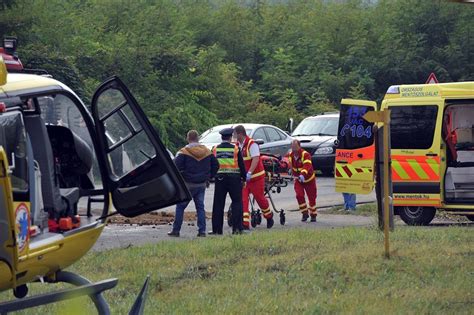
column 313, row 218
column 305, row 217
column 270, row 223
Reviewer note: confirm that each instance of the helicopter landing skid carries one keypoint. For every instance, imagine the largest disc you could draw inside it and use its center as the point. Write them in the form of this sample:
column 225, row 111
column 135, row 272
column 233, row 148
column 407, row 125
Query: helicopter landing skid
column 84, row 287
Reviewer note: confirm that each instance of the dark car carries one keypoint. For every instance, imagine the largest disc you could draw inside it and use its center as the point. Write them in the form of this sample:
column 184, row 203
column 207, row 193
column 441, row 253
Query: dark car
column 318, row 136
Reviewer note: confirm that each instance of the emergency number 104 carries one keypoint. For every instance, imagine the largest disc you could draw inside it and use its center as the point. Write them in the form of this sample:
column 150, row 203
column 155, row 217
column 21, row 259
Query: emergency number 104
column 357, row 131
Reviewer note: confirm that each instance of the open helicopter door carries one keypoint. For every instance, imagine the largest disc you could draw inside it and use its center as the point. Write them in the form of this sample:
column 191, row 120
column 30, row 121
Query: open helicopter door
column 355, row 154
column 141, row 175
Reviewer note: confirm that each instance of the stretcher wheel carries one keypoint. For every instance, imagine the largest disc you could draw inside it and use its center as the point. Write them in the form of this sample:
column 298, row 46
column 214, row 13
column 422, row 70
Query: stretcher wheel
column 278, row 189
column 229, row 216
column 259, row 217
column 282, row 217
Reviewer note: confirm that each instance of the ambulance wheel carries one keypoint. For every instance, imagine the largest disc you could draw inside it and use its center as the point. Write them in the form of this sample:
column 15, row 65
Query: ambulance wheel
column 282, row 217
column 470, row 217
column 417, row 215
column 229, row 216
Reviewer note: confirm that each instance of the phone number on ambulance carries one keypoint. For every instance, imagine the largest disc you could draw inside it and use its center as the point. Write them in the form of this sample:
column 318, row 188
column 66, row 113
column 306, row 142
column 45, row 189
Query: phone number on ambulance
column 356, row 131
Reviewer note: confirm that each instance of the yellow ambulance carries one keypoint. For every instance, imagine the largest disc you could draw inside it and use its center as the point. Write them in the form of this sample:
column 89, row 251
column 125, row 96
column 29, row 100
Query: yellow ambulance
column 432, row 140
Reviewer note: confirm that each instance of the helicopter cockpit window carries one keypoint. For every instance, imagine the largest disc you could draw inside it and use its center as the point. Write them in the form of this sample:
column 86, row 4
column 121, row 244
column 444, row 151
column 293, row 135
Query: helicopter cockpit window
column 60, row 110
column 72, row 148
column 128, row 144
column 13, row 140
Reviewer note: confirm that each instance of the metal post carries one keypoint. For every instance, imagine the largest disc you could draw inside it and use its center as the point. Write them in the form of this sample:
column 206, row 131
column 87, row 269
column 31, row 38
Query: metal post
column 386, row 183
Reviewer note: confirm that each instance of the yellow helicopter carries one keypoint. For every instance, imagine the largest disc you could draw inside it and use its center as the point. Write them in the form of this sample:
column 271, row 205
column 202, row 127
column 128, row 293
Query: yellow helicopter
column 61, row 169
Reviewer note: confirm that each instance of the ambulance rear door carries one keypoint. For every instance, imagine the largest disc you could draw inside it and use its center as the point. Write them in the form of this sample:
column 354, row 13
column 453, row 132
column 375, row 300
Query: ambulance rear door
column 415, row 129
column 355, row 154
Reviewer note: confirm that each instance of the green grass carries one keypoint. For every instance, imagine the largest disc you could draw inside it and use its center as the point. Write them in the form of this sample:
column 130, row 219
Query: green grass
column 292, row 271
column 368, row 209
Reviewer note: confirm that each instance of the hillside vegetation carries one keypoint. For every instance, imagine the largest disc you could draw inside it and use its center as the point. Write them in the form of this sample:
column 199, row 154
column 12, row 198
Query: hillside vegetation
column 194, row 64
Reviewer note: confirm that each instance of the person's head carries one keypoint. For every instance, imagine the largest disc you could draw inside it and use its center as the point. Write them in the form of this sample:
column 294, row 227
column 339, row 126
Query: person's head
column 240, row 133
column 192, row 136
column 226, row 138
column 295, row 145
column 226, row 134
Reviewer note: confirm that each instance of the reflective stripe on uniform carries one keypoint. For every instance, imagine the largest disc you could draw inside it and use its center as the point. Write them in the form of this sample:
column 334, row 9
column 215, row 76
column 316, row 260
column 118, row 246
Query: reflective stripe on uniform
column 310, row 179
column 264, row 211
column 258, row 174
column 228, row 159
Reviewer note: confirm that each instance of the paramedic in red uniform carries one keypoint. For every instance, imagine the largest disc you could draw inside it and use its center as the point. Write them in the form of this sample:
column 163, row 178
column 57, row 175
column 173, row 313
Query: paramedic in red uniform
column 305, row 180
column 255, row 178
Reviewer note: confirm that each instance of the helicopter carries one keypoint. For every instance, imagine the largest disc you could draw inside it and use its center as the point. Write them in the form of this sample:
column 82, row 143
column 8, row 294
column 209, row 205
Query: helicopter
column 62, row 167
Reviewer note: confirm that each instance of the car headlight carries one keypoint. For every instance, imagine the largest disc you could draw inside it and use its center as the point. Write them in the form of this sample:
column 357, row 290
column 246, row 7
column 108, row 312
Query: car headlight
column 324, row 150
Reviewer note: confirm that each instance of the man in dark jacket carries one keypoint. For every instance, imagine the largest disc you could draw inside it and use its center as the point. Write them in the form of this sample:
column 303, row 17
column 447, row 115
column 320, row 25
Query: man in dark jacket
column 229, row 179
column 197, row 165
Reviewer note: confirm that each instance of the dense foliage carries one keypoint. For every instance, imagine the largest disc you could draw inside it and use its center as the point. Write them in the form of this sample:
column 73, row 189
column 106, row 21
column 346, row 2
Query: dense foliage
column 194, row 64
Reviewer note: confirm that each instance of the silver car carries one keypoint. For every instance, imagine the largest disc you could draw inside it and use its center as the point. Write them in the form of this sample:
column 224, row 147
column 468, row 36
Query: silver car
column 272, row 140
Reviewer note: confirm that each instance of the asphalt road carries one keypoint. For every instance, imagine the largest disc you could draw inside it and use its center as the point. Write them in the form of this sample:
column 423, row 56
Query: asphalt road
column 122, row 236
column 327, row 196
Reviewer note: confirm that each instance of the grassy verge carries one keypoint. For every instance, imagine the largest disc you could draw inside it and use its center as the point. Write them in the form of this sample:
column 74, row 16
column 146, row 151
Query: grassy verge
column 368, row 209
column 291, row 271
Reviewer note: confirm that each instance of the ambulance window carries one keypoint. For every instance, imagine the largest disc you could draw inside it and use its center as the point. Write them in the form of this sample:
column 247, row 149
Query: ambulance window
column 412, row 127
column 354, row 131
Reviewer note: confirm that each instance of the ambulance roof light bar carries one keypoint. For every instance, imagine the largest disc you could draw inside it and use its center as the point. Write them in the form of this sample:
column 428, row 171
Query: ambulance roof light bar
column 394, row 89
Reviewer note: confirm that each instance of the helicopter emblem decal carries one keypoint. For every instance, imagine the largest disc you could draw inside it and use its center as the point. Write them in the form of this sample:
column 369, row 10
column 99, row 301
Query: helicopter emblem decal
column 22, row 219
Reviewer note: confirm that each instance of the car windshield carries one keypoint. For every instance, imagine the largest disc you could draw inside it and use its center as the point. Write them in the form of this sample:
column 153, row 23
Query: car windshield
column 213, row 135
column 319, row 126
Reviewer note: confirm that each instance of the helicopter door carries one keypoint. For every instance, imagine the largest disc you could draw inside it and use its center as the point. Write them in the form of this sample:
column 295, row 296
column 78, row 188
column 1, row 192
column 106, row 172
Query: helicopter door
column 355, row 154
column 141, row 175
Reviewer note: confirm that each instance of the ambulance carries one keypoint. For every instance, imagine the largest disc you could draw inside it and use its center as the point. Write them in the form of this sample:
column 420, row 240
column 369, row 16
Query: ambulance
column 432, row 149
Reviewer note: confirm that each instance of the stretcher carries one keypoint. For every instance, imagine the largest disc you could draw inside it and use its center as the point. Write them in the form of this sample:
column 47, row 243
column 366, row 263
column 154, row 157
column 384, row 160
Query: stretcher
column 276, row 178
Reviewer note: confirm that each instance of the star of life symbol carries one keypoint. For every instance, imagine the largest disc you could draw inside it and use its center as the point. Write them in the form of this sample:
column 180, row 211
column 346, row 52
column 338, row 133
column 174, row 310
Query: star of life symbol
column 22, row 233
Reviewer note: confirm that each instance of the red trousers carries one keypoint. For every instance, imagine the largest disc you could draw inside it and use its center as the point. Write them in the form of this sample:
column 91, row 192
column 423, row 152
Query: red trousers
column 311, row 192
column 257, row 189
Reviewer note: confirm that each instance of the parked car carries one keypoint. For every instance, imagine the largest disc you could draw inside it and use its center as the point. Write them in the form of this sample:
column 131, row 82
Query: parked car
column 272, row 140
column 318, row 136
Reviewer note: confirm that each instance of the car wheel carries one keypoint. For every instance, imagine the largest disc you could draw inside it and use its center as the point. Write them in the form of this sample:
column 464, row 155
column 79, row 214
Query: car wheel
column 417, row 215
column 470, row 217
